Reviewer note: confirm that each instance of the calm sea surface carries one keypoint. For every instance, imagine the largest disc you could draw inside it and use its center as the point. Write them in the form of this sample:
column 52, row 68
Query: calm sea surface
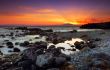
column 65, row 28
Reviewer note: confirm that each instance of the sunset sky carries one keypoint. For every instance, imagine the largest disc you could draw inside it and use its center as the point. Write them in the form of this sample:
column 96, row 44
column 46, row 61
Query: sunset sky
column 53, row 12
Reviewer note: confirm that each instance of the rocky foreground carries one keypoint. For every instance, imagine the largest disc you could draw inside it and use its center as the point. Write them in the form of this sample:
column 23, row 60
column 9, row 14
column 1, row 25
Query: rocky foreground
column 41, row 57
column 93, row 54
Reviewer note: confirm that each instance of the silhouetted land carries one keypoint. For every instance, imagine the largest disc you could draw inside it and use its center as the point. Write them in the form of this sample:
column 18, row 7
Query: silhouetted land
column 102, row 25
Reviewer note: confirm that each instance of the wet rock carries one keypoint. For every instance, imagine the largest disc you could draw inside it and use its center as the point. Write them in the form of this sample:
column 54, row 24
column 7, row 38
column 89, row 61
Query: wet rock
column 37, row 37
column 79, row 45
column 1, row 46
column 74, row 31
column 91, row 46
column 56, row 51
column 73, row 49
column 68, row 66
column 13, row 38
column 52, row 47
column 26, row 64
column 11, row 34
column 24, row 44
column 41, row 44
column 98, row 61
column 49, row 30
column 7, row 61
column 39, row 51
column 68, row 58
column 97, row 39
column 10, row 50
column 6, row 40
column 30, row 53
column 16, row 50
column 44, row 60
column 9, row 44
column 6, row 65
column 59, row 61
column 17, row 43
column 1, row 53
column 2, row 35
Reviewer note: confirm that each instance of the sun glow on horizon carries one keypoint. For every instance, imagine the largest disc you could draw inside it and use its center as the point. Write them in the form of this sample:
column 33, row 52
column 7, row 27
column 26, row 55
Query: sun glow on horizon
column 74, row 23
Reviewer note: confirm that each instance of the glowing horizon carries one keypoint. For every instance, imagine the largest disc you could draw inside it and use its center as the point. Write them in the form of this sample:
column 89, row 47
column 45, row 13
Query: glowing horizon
column 39, row 12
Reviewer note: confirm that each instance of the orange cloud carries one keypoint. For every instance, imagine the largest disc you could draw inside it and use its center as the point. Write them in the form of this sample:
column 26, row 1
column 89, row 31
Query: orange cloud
column 48, row 16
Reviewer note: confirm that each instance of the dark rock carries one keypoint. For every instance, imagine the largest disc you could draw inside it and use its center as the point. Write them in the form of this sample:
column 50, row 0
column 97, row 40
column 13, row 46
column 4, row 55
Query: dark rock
column 68, row 66
column 68, row 58
column 52, row 47
column 16, row 50
column 98, row 61
column 59, row 61
column 3, row 36
column 30, row 53
column 37, row 37
column 24, row 44
column 26, row 64
column 97, row 39
column 17, row 43
column 56, row 51
column 10, row 50
column 39, row 51
column 12, row 38
column 1, row 53
column 74, row 31
column 6, row 65
column 6, row 40
column 72, row 46
column 49, row 30
column 1, row 46
column 11, row 34
column 9, row 44
column 73, row 49
column 79, row 45
column 44, row 60
column 41, row 45
column 55, row 41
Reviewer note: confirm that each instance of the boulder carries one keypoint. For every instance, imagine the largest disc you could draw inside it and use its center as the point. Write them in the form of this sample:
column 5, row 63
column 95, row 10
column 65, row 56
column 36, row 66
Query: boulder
column 9, row 44
column 79, row 45
column 44, row 60
column 59, row 61
column 30, row 53
column 41, row 45
column 26, row 64
column 16, row 50
column 98, row 61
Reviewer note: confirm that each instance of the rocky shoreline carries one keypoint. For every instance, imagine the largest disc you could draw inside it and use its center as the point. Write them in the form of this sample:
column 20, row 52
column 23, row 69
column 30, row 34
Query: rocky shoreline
column 91, row 55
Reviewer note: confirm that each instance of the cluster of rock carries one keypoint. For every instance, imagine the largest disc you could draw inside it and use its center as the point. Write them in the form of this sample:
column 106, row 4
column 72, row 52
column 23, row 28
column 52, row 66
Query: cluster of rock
column 40, row 58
